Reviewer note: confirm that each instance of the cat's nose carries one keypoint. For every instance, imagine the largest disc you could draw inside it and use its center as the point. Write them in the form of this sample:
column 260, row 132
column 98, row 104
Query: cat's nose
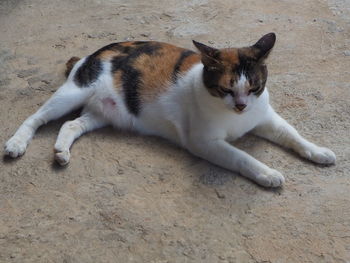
column 241, row 107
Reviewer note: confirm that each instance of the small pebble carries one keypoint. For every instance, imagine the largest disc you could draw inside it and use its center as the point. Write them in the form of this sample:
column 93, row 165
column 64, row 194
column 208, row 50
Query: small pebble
column 219, row 195
column 145, row 34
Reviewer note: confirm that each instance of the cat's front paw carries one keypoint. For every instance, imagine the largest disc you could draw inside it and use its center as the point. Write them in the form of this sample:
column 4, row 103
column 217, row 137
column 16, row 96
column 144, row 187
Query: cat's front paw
column 320, row 155
column 15, row 147
column 62, row 157
column 270, row 178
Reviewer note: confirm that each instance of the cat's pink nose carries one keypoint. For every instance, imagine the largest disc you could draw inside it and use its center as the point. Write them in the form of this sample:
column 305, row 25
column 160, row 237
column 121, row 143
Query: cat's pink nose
column 241, row 107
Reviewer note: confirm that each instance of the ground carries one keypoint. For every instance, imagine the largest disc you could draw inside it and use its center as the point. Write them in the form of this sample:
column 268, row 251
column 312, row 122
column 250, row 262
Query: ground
column 128, row 198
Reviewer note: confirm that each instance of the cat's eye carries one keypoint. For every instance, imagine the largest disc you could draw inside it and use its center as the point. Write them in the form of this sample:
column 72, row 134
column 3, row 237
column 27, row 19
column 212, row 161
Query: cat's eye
column 223, row 90
column 228, row 91
column 253, row 90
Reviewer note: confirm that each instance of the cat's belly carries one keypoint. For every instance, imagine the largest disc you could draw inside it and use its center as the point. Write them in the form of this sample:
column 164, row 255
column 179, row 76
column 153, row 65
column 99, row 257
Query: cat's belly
column 154, row 121
column 157, row 127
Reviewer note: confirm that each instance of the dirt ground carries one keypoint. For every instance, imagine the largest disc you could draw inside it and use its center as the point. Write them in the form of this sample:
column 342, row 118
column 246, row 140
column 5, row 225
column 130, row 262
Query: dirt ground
column 127, row 198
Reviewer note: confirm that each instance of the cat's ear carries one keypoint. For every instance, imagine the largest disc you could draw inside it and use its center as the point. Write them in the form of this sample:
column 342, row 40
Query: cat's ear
column 264, row 46
column 210, row 55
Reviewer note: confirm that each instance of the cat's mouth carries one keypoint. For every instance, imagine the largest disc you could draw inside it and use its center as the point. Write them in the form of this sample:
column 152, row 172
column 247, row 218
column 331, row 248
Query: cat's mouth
column 240, row 108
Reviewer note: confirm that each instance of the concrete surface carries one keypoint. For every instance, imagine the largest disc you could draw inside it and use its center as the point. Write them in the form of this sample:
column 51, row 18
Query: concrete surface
column 126, row 198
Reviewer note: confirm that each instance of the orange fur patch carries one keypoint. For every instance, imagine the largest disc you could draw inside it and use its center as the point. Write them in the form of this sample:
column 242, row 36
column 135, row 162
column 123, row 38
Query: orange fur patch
column 229, row 56
column 127, row 44
column 157, row 71
column 189, row 62
column 108, row 54
column 117, row 78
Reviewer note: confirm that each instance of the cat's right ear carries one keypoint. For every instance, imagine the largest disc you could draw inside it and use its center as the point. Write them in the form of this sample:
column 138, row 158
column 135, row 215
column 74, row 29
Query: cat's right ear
column 264, row 46
column 210, row 55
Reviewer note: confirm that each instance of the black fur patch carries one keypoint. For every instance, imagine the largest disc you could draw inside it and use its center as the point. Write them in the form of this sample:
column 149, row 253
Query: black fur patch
column 131, row 80
column 88, row 72
column 141, row 48
column 246, row 64
column 131, row 77
column 139, row 42
column 211, row 81
column 258, row 80
column 179, row 62
column 255, row 71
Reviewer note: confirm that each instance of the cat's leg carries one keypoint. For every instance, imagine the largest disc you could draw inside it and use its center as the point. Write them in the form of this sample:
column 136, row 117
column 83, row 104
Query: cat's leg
column 71, row 130
column 277, row 130
column 222, row 153
column 67, row 98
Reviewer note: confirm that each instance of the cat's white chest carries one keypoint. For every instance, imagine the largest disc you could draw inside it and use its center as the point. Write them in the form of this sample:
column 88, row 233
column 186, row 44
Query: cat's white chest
column 240, row 124
column 233, row 125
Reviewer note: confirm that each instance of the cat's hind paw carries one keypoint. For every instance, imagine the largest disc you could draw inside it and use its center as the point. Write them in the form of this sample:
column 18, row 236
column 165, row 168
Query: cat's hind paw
column 15, row 147
column 320, row 155
column 270, row 178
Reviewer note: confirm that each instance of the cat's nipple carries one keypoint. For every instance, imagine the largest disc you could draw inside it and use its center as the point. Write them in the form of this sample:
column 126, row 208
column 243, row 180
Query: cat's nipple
column 108, row 102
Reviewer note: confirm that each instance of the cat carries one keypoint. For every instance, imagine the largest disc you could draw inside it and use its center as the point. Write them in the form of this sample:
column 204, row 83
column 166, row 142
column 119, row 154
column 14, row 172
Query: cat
column 198, row 100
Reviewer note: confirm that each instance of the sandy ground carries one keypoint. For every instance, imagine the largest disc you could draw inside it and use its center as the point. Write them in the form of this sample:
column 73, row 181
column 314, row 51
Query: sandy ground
column 127, row 198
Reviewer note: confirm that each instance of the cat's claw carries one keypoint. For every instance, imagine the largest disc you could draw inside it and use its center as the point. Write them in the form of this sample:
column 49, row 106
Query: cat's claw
column 270, row 178
column 15, row 147
column 320, row 155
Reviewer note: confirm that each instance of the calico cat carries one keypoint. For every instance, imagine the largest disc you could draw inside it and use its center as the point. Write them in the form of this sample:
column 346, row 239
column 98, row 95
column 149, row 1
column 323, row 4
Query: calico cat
column 197, row 100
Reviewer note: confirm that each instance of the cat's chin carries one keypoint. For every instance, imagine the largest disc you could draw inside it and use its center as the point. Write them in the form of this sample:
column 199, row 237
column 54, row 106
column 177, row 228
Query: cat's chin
column 239, row 111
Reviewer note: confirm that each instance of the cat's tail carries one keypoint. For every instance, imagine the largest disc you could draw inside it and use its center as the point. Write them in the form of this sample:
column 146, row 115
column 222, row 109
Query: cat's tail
column 70, row 64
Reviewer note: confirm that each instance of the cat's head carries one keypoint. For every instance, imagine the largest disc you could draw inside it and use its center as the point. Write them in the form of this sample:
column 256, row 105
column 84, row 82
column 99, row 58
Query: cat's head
column 236, row 75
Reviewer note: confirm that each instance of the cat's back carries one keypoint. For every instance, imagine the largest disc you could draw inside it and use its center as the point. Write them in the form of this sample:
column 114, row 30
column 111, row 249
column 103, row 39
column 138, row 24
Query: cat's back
column 141, row 70
column 145, row 66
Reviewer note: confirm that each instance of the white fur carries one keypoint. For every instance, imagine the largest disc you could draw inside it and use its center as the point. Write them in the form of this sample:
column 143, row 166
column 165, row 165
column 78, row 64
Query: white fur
column 186, row 114
column 240, row 91
column 241, row 83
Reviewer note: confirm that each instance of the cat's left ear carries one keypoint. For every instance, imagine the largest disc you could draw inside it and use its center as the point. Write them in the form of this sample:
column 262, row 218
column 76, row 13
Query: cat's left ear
column 210, row 55
column 264, row 46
